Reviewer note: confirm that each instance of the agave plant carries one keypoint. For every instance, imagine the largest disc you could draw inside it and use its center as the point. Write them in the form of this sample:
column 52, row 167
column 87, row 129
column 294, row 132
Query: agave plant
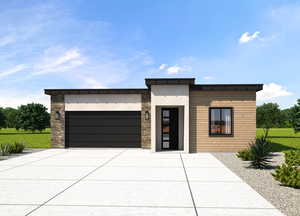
column 260, row 152
column 5, row 149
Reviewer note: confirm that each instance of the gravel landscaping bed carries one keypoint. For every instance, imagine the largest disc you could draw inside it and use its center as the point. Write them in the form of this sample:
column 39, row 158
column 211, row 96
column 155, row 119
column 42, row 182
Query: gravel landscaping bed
column 286, row 199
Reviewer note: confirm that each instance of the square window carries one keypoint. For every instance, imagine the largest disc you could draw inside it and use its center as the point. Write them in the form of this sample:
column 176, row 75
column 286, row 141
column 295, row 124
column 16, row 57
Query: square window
column 220, row 121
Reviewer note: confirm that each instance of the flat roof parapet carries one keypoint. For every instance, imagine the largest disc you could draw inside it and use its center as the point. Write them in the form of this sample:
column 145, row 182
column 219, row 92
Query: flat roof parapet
column 160, row 81
column 95, row 91
column 228, row 87
column 169, row 81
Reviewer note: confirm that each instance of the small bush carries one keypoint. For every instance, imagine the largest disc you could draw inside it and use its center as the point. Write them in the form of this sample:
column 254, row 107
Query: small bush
column 18, row 147
column 244, row 155
column 260, row 152
column 5, row 149
column 287, row 175
column 8, row 148
column 292, row 158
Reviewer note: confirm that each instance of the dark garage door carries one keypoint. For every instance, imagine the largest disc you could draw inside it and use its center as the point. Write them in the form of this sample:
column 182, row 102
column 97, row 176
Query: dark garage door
column 103, row 129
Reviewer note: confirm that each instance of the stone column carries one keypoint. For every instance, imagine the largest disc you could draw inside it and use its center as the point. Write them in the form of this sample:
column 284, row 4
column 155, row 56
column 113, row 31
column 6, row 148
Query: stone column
column 58, row 125
column 146, row 124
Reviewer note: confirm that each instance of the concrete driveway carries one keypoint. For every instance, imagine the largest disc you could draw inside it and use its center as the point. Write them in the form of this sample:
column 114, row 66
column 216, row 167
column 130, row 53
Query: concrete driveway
column 71, row 182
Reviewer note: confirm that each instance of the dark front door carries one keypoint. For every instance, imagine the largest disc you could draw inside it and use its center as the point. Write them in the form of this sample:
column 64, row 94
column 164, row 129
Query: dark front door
column 169, row 128
column 103, row 129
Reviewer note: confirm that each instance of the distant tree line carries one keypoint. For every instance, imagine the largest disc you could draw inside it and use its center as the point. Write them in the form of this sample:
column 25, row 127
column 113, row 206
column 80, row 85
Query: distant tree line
column 31, row 117
column 269, row 115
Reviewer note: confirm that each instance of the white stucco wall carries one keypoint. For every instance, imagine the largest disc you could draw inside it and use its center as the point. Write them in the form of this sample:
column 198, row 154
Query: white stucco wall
column 170, row 96
column 103, row 102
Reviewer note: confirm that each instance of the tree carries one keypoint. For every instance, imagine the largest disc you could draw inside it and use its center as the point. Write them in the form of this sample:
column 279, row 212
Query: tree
column 287, row 113
column 268, row 116
column 33, row 117
column 11, row 117
column 2, row 119
column 295, row 116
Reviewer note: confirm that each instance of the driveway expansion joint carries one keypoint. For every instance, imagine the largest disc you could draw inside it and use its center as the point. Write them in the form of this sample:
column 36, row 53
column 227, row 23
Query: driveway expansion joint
column 189, row 186
column 76, row 182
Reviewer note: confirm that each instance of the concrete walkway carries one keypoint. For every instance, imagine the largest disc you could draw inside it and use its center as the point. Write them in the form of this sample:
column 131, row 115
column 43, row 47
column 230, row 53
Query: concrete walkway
column 71, row 182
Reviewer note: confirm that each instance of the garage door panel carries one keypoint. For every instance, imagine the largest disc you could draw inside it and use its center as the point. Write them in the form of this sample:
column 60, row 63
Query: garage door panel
column 103, row 129
column 111, row 145
column 108, row 118
column 93, row 123
column 108, row 114
column 104, row 137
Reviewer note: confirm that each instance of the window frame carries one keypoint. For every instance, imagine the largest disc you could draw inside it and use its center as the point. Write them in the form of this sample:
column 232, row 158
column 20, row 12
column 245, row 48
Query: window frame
column 232, row 120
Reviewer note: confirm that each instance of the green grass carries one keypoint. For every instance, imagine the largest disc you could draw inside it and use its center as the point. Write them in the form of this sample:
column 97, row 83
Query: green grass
column 33, row 140
column 282, row 139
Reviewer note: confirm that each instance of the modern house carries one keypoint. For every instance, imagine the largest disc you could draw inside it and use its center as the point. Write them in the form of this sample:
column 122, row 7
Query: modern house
column 170, row 114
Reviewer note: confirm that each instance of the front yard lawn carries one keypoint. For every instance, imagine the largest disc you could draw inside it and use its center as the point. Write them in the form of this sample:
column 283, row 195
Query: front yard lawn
column 282, row 139
column 33, row 140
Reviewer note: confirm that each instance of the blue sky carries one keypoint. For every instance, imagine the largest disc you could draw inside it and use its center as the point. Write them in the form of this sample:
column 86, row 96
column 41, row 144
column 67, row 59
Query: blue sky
column 112, row 44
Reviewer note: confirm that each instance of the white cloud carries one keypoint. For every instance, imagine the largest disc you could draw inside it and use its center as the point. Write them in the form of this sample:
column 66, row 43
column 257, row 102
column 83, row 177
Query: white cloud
column 58, row 60
column 208, row 78
column 13, row 70
column 271, row 91
column 91, row 83
column 174, row 69
column 246, row 37
column 162, row 66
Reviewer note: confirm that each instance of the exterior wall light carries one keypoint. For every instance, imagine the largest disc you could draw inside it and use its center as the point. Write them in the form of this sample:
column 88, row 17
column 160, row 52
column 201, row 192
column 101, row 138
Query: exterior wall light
column 57, row 115
column 147, row 115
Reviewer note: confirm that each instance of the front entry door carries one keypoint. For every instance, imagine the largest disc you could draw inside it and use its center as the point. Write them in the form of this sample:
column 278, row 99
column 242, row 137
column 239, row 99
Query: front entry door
column 169, row 126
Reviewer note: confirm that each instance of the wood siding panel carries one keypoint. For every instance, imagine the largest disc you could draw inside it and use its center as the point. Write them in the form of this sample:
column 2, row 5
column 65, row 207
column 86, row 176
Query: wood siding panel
column 244, row 120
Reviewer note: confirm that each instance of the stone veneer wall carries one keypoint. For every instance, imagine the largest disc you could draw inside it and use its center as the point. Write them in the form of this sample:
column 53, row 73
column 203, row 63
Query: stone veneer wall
column 58, row 126
column 146, row 124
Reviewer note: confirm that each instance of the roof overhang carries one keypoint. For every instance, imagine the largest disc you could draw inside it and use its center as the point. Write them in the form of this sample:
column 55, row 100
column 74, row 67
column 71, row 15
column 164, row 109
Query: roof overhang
column 169, row 81
column 94, row 91
column 159, row 81
column 228, row 87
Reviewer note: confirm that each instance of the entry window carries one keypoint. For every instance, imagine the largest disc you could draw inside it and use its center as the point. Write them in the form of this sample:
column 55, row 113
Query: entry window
column 169, row 128
column 220, row 121
column 166, row 128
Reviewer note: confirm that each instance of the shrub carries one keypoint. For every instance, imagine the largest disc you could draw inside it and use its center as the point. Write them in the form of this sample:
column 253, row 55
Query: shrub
column 260, row 152
column 244, row 155
column 5, row 149
column 292, row 158
column 287, row 175
column 8, row 148
column 18, row 147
